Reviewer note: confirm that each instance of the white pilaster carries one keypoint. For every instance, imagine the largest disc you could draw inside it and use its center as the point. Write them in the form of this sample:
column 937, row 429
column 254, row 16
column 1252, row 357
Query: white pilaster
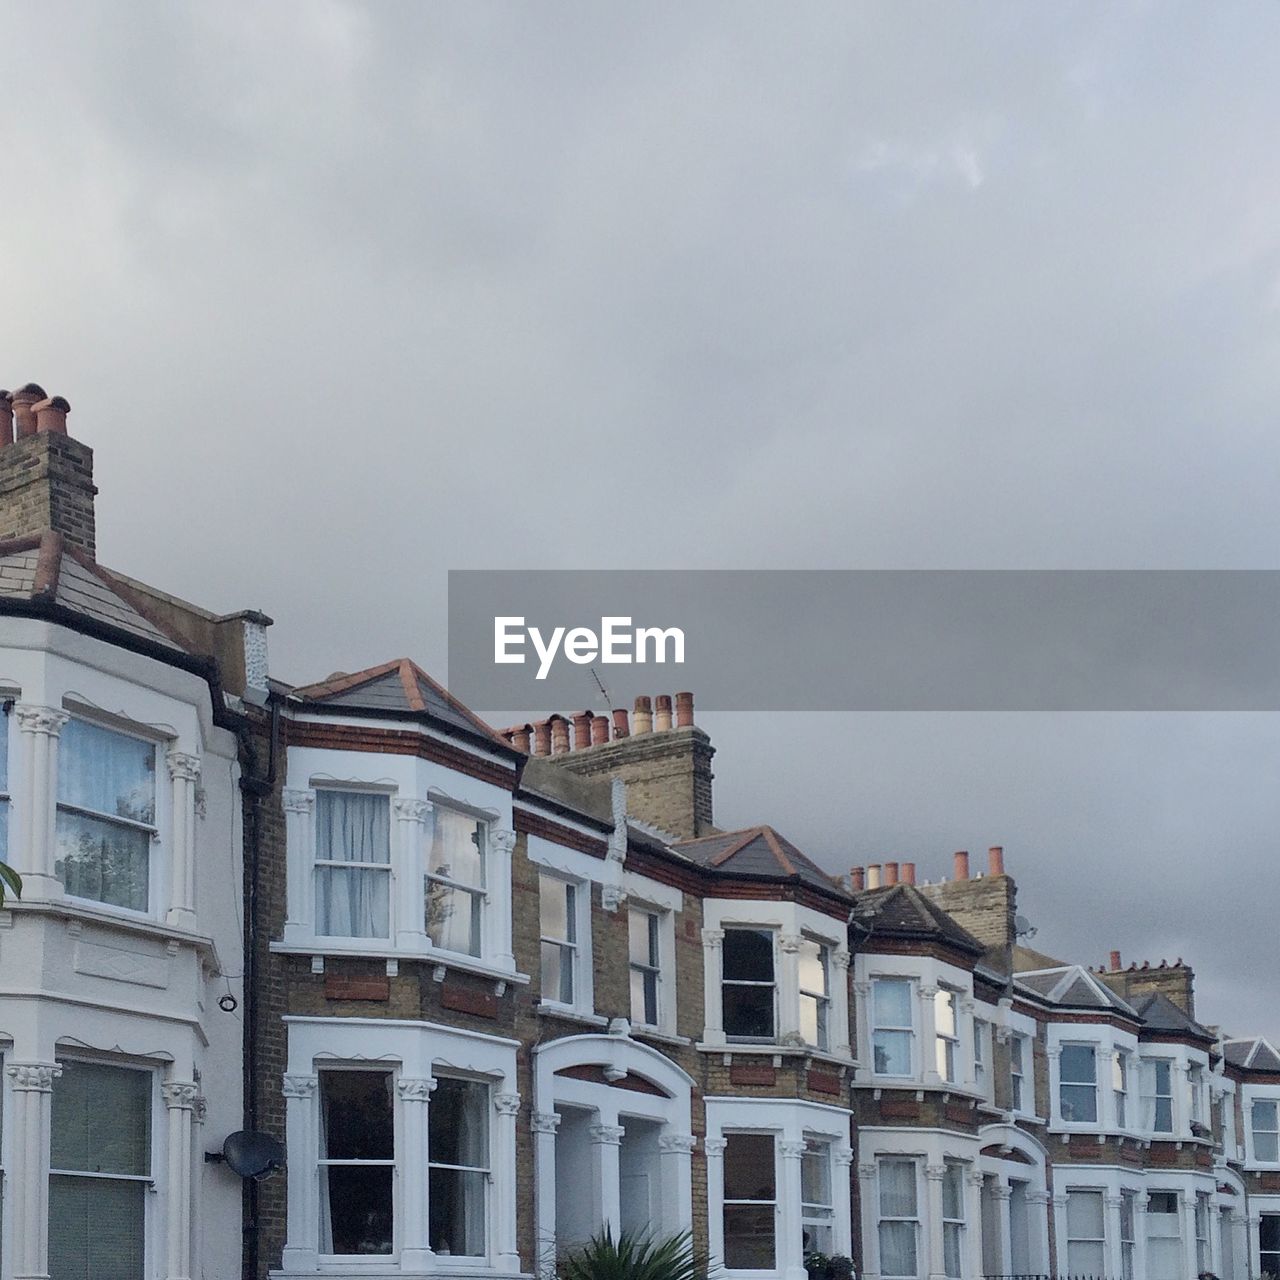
column 415, row 1097
column 302, row 1137
column 300, row 845
column 1187, row 1229
column 790, row 1230
column 1038, row 1212
column 868, row 1206
column 410, row 872
column 1111, row 1247
column 842, row 1228
column 675, row 1169
column 184, row 773
column 179, row 1100
column 928, row 1035
column 841, row 1041
column 501, row 843
column 33, row 845
column 544, row 1125
column 1060, row 1233
column 933, row 1175
column 713, row 1031
column 506, row 1255
column 606, row 1151
column 27, row 1184
column 1002, row 1194
column 788, row 1029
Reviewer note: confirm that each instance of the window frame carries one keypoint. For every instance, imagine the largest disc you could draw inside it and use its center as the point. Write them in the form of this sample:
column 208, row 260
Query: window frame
column 914, row 1220
column 1090, row 1241
column 824, row 1219
column 430, row 1164
column 1273, row 1254
column 1120, row 1087
column 953, row 1228
column 1063, row 1083
column 1153, row 1096
column 1128, row 1232
column 909, row 1028
column 650, row 971
column 479, row 894
column 774, row 1203
column 1018, row 1072
column 822, row 999
column 572, row 890
column 330, row 864
column 772, row 933
column 1255, row 1129
column 947, row 1046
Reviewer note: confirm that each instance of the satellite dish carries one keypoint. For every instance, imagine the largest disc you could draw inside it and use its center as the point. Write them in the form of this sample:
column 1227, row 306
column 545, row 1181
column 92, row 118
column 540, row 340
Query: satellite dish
column 252, row 1154
column 1022, row 927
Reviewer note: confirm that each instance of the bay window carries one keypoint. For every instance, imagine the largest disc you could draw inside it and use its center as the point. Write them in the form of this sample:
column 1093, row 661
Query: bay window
column 357, row 1162
column 1158, row 1077
column 106, row 815
column 645, row 960
column 899, row 1219
column 1078, row 1083
column 1086, row 1233
column 815, row 992
column 893, row 1029
column 100, row 1170
column 748, row 989
column 558, row 916
column 947, row 1036
column 817, row 1203
column 455, row 887
column 1264, row 1117
column 353, row 864
column 458, row 1165
column 750, row 1202
column 953, row 1219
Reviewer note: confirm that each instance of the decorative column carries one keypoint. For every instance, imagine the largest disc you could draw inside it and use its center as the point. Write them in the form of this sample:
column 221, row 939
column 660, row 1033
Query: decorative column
column 790, row 1257
column 713, row 1031
column 1038, row 1232
column 33, row 845
column 1140, row 1202
column 933, row 1175
column 715, row 1147
column 788, row 1029
column 1238, row 1243
column 842, row 1228
column 1111, row 1244
column 27, row 1213
column 506, row 1255
column 1187, row 1230
column 544, row 1125
column 300, row 846
column 862, row 1022
column 1254, row 1244
column 968, row 1065
column 302, row 1144
column 415, row 1246
column 606, row 1151
column 675, row 1180
column 1001, row 1194
column 1053, row 1053
column 841, row 1040
column 1216, row 1242
column 184, row 771
column 868, row 1208
column 410, row 873
column 928, row 1034
column 180, row 1101
column 1060, row 1235
column 501, row 843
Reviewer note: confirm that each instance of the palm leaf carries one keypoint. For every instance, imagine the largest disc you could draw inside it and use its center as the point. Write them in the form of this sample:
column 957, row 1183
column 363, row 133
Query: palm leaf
column 634, row 1256
column 11, row 880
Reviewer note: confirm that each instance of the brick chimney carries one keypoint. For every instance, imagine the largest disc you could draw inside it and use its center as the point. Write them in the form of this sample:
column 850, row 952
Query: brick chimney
column 985, row 905
column 46, row 477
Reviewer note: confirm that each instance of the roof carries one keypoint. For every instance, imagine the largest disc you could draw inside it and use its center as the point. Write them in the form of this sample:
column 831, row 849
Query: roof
column 1074, row 986
column 1159, row 1013
column 48, row 572
column 902, row 911
column 1253, row 1053
column 399, row 687
column 759, row 852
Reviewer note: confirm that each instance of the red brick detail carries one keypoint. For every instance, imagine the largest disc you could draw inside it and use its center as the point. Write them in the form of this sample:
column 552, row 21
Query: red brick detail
column 484, row 1004
column 1269, row 1181
column 534, row 824
column 824, row 1082
column 958, row 1113
column 398, row 742
column 900, row 1108
column 1162, row 1153
column 338, row 987
column 752, row 1073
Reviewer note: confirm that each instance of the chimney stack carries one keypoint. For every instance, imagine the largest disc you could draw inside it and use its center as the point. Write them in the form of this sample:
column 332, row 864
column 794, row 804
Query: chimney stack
column 46, row 477
column 1115, row 962
column 858, row 879
column 559, row 735
column 520, row 738
column 961, row 861
column 873, row 875
column 995, row 860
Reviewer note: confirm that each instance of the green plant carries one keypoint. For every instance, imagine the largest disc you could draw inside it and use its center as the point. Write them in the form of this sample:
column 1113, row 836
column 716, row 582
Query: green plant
column 818, row 1265
column 634, row 1256
column 11, row 880
column 840, row 1267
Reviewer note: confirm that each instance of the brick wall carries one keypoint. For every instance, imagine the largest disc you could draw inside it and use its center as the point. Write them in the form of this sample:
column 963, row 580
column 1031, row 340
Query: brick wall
column 46, row 482
column 985, row 905
column 1176, row 981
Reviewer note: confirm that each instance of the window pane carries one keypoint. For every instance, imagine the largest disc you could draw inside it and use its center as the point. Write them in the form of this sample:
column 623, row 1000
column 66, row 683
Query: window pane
column 815, row 1173
column 892, row 1002
column 453, row 918
column 748, row 955
column 457, row 846
column 748, row 1012
column 643, row 937
column 953, row 1191
column 457, row 1212
column 952, row 1237
column 353, row 826
column 893, row 1053
column 944, row 1012
column 352, row 903
column 356, row 1119
column 1079, row 1103
column 101, row 1119
column 102, row 861
column 897, row 1189
column 557, row 973
column 458, row 1123
column 553, row 901
column 1264, row 1114
column 644, row 997
column 1269, row 1232
column 1084, row 1215
column 355, row 1209
column 105, row 771
column 748, row 1167
column 1078, row 1064
column 898, row 1249
column 1266, row 1147
column 813, row 967
column 813, row 1021
column 96, row 1229
column 748, row 1237
column 1084, row 1258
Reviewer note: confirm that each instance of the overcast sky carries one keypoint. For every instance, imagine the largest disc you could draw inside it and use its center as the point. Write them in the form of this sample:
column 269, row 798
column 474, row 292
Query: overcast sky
column 345, row 296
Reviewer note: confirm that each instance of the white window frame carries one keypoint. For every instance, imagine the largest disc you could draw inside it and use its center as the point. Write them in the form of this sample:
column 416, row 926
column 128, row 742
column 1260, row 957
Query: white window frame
column 1201, row 1219
column 1121, row 1087
column 1018, row 1076
column 909, row 1027
column 952, row 1226
column 1128, row 1233
column 775, row 1203
column 822, row 999
column 1069, row 1239
column 1255, row 1102
column 1151, row 1097
column 982, row 1056
column 381, row 868
column 1195, row 1092
column 1061, row 1082
column 1269, row 1253
column 487, row 1169
column 657, row 939
column 772, row 985
column 947, row 1047
column 574, row 891
column 915, row 1220
column 814, row 1214
column 478, row 893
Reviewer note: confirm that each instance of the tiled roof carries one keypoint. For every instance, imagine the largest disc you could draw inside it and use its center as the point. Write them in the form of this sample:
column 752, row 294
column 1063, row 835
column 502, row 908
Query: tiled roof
column 1160, row 1013
column 47, row 571
column 757, row 851
column 402, row 688
column 1073, row 986
column 902, row 911
column 1253, row 1053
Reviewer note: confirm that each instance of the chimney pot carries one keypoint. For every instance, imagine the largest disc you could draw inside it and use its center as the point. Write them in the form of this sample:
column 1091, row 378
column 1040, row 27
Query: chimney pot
column 873, row 875
column 599, row 730
column 620, row 728
column 541, row 738
column 581, row 729
column 1115, row 962
column 995, row 860
column 643, row 717
column 961, row 865
column 908, row 873
column 662, row 712
column 559, row 735
column 24, row 401
column 51, row 416
column 520, row 738
column 6, row 418
column 890, row 873
column 858, row 879
column 684, row 710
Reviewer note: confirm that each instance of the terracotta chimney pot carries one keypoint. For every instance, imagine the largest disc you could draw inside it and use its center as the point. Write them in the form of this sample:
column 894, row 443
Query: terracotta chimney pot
column 24, row 401
column 908, row 873
column 599, row 730
column 581, row 729
column 858, row 879
column 961, row 865
column 520, row 738
column 890, row 873
column 684, row 710
column 620, row 726
column 1115, row 962
column 6, row 418
column 873, row 875
column 541, row 738
column 642, row 721
column 559, row 735
column 51, row 416
column 995, row 860
column 662, row 713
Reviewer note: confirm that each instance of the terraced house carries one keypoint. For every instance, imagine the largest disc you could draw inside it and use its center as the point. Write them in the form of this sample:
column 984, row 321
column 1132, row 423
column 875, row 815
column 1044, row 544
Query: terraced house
column 492, row 992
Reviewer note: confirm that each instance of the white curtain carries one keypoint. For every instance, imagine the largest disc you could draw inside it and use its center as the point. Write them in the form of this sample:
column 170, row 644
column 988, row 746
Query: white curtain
column 107, row 772
column 326, row 1216
column 353, row 827
column 897, row 1200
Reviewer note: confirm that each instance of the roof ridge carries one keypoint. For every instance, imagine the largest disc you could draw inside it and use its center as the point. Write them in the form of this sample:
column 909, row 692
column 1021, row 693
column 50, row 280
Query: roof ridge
column 775, row 847
column 725, row 854
column 412, row 690
column 129, row 596
column 349, row 680
column 720, row 835
column 48, row 565
column 460, row 707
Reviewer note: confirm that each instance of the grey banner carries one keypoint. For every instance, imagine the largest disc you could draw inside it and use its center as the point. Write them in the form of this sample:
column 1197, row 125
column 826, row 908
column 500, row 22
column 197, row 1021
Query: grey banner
column 853, row 640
